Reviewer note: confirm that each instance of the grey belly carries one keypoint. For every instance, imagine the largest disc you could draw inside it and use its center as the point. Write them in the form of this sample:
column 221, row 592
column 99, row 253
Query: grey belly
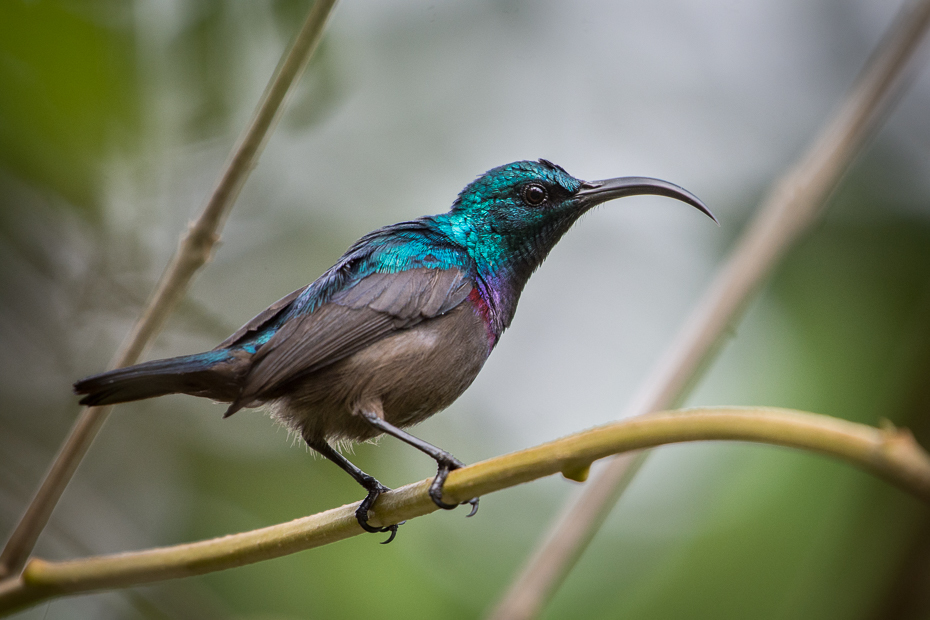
column 407, row 377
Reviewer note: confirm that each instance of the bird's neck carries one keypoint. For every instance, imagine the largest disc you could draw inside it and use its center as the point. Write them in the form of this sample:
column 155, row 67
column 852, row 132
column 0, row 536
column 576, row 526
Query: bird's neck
column 503, row 263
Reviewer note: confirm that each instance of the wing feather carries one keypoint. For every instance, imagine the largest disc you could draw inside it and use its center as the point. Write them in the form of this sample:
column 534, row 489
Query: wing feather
column 375, row 307
column 262, row 319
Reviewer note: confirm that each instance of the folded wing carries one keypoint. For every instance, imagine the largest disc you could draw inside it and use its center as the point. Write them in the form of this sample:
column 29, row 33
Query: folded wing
column 375, row 307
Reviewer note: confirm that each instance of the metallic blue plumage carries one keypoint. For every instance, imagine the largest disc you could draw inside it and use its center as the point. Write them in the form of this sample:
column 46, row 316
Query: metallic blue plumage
column 489, row 234
column 398, row 328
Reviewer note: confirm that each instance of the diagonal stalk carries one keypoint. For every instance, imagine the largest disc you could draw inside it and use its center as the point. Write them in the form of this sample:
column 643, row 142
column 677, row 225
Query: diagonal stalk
column 793, row 204
column 194, row 251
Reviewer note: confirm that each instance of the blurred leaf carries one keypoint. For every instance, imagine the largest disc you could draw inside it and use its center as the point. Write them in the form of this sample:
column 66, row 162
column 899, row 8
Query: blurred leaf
column 69, row 92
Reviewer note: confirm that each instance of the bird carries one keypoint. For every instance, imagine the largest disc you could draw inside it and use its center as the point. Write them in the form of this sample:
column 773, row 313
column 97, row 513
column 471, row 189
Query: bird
column 397, row 329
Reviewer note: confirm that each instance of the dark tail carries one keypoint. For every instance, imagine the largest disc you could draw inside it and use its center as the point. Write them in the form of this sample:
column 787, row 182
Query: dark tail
column 215, row 374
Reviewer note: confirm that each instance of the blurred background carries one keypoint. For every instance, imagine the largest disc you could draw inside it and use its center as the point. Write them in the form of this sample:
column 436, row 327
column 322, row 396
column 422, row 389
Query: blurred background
column 116, row 117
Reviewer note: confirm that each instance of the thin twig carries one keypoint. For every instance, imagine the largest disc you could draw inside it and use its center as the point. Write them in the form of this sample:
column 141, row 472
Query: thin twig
column 792, row 206
column 889, row 453
column 194, row 251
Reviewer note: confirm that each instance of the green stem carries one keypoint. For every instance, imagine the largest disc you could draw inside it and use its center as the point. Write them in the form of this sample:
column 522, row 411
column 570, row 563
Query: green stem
column 889, row 453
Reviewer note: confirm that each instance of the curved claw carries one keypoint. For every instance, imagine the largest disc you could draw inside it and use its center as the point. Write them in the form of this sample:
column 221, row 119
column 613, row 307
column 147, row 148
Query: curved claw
column 361, row 514
column 393, row 530
column 436, row 500
column 435, row 489
column 363, row 521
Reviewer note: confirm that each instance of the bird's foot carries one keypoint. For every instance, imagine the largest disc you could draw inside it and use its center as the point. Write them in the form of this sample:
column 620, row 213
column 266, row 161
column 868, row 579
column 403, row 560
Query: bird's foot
column 375, row 489
column 435, row 489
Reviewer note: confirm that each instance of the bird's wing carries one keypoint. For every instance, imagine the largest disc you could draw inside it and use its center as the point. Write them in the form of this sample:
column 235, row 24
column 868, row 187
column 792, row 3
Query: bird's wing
column 261, row 320
column 375, row 307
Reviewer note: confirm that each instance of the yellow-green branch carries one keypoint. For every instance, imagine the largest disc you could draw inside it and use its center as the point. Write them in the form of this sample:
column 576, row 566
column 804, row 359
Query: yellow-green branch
column 887, row 452
column 793, row 205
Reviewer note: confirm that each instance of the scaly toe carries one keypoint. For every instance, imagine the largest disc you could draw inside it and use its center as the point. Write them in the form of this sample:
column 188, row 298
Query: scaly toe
column 361, row 514
column 437, row 499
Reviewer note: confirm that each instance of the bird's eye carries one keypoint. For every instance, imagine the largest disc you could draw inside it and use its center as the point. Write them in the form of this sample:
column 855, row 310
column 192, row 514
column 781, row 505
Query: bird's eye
column 534, row 194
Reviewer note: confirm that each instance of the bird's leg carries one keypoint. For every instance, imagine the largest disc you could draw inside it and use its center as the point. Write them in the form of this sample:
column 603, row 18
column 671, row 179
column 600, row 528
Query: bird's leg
column 371, row 485
column 444, row 460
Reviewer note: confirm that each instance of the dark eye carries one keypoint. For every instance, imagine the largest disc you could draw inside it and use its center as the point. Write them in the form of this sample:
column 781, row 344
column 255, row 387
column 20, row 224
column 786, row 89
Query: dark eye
column 534, row 194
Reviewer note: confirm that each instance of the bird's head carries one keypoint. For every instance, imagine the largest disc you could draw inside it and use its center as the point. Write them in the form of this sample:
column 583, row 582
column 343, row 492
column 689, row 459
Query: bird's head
column 514, row 214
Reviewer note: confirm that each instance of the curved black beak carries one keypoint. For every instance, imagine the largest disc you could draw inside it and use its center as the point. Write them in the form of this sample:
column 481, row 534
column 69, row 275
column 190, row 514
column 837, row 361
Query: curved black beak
column 595, row 192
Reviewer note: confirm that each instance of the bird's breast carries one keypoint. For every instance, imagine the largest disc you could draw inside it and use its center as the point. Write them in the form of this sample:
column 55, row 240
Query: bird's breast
column 483, row 309
column 413, row 374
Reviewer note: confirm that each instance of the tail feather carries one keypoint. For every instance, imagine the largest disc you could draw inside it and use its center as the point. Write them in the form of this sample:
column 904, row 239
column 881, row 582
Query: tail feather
column 215, row 374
